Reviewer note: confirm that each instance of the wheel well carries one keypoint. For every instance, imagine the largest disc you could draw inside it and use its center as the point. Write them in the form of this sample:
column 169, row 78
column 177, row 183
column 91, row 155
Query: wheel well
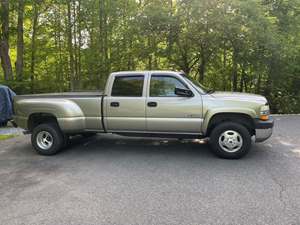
column 240, row 118
column 40, row 118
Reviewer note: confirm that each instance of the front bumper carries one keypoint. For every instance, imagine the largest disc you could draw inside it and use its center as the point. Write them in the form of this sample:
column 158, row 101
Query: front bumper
column 263, row 129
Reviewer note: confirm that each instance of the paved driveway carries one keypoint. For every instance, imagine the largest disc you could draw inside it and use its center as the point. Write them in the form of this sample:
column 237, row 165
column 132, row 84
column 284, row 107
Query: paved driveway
column 115, row 180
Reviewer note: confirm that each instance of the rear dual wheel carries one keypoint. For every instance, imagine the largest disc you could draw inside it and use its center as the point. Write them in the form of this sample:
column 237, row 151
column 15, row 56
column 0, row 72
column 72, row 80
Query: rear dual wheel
column 230, row 140
column 47, row 139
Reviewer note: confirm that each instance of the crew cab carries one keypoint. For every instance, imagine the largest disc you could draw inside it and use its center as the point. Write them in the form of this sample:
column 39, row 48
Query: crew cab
column 147, row 103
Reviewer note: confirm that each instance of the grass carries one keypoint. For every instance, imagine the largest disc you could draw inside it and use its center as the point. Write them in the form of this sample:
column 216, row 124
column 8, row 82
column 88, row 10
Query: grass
column 6, row 136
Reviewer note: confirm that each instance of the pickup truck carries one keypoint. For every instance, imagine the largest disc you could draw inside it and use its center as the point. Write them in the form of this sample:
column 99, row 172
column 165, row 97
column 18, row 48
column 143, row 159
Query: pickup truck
column 147, row 103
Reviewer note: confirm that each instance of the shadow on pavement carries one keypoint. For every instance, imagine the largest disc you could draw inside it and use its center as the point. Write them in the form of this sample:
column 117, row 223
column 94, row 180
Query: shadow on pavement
column 143, row 146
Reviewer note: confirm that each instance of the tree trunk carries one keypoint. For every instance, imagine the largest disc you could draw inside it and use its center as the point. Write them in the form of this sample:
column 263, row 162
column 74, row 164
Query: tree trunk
column 20, row 41
column 271, row 71
column 60, row 53
column 70, row 48
column 106, row 42
column 102, row 32
column 202, row 67
column 234, row 70
column 4, row 41
column 150, row 55
column 224, row 67
column 150, row 62
column 79, row 40
column 185, row 64
column 203, row 62
column 33, row 44
column 130, row 63
column 103, row 38
column 258, row 84
column 75, row 44
column 91, row 69
column 171, row 32
column 242, row 81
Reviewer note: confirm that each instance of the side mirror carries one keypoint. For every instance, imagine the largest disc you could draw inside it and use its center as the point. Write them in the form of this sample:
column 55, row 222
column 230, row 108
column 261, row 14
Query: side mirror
column 183, row 92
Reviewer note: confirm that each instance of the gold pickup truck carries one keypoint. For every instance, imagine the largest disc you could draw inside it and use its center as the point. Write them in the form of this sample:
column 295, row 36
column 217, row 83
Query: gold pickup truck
column 147, row 103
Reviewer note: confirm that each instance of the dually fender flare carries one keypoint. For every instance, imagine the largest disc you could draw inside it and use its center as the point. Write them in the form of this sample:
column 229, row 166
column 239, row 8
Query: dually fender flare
column 68, row 114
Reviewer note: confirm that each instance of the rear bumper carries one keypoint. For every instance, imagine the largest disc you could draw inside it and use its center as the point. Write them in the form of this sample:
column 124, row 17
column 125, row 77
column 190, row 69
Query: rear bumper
column 263, row 129
column 14, row 123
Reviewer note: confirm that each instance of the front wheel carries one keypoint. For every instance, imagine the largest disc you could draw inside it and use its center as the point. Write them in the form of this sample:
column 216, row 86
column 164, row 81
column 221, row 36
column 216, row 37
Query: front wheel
column 230, row 140
column 47, row 139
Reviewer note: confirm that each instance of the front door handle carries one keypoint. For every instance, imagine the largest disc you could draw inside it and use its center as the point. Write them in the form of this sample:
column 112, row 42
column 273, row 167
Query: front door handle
column 114, row 104
column 152, row 104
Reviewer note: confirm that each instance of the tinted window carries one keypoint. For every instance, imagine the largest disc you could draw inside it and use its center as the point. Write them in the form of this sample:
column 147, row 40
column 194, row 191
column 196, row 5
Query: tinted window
column 164, row 86
column 131, row 86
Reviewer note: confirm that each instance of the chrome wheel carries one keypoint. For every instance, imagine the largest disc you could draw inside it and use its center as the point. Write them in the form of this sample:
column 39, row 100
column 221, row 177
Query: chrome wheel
column 44, row 140
column 230, row 141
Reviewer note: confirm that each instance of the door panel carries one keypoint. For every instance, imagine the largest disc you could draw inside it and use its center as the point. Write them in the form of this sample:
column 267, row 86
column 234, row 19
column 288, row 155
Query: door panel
column 128, row 116
column 125, row 106
column 174, row 114
column 167, row 112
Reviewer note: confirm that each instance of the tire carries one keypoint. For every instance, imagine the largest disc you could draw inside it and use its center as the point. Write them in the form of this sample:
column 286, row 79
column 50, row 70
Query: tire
column 47, row 133
column 230, row 140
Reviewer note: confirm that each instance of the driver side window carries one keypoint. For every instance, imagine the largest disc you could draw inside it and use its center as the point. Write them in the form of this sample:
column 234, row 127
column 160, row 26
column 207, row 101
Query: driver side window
column 164, row 86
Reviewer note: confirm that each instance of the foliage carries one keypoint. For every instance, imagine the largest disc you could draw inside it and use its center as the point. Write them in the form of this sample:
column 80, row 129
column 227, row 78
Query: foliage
column 232, row 45
column 6, row 136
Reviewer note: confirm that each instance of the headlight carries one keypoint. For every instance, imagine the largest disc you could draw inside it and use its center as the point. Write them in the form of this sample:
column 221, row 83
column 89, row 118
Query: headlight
column 264, row 112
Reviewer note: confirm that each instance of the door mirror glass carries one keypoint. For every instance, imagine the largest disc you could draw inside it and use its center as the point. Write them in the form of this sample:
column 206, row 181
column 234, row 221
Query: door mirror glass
column 183, row 92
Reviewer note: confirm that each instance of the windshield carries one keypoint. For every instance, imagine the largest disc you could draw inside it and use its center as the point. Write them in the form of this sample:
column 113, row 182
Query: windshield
column 196, row 84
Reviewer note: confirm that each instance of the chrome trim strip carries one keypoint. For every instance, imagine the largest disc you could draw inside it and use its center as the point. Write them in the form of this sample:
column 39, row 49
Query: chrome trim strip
column 147, row 132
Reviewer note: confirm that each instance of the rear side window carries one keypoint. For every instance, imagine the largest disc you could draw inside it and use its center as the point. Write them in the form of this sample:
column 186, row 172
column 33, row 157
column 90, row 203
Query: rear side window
column 128, row 86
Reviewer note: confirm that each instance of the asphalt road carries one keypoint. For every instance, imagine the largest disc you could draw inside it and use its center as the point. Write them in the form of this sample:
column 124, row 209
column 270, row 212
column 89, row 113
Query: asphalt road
column 115, row 180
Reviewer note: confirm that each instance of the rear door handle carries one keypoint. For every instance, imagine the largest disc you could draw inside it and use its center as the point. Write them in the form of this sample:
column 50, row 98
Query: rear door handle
column 114, row 104
column 152, row 104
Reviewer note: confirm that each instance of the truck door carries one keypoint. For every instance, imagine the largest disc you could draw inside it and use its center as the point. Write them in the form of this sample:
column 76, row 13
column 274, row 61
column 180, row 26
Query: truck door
column 125, row 105
column 167, row 112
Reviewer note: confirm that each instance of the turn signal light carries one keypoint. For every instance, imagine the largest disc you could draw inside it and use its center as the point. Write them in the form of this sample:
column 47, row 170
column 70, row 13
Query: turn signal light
column 264, row 117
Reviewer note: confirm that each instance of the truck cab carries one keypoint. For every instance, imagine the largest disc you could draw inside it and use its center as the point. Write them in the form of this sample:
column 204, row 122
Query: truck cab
column 152, row 102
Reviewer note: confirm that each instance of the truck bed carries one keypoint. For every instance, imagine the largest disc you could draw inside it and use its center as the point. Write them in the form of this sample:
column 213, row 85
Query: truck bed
column 63, row 95
column 74, row 111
